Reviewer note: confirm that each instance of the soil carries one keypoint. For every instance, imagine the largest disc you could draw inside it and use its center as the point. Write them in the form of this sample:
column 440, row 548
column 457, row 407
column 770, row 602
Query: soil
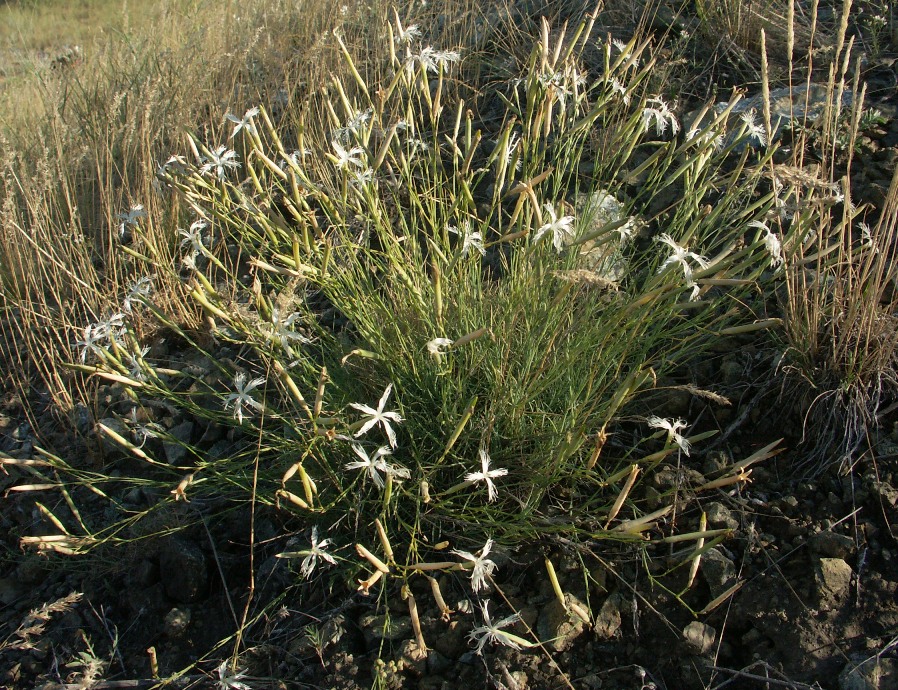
column 814, row 555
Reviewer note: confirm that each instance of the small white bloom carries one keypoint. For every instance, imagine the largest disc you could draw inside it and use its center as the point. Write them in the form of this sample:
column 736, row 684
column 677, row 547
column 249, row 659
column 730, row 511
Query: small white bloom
column 362, row 178
column 672, row 427
column 195, row 237
column 867, row 237
column 136, row 364
column 245, row 122
column 561, row 228
column 433, row 60
column 131, row 218
column 139, row 292
column 93, row 336
column 680, row 255
column 220, row 161
column 283, row 329
column 345, row 158
column 470, row 240
column 483, row 566
column 657, row 111
column 373, row 464
column 620, row 89
column 311, row 556
column 242, row 396
column 487, row 475
column 753, row 129
column 404, row 37
column 378, row 416
column 230, row 681
column 354, row 125
column 491, row 632
column 439, row 346
column 771, row 242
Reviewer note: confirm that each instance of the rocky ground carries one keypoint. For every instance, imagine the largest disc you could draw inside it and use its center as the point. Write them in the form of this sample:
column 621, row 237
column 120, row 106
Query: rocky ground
column 814, row 555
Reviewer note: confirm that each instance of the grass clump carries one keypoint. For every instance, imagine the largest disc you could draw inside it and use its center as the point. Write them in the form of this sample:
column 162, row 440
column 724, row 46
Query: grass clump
column 413, row 315
column 420, row 328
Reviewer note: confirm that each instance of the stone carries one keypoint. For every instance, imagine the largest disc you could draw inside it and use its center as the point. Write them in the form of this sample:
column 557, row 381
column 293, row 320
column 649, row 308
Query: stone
column 833, row 579
column 718, row 571
column 609, row 618
column 832, row 544
column 560, row 625
column 876, row 673
column 176, row 622
column 720, row 516
column 699, row 637
column 175, row 452
column 183, row 571
column 385, row 628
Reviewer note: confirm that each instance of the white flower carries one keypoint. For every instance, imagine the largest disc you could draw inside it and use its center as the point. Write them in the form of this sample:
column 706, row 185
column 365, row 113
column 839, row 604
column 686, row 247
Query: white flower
column 487, row 475
column 438, row 346
column 230, row 681
column 174, row 165
column 283, row 329
column 404, row 37
column 194, row 237
column 361, row 178
column 311, row 555
column 93, row 336
column 113, row 328
column 142, row 432
column 139, row 292
column 493, row 633
column 372, row 463
column 353, row 125
column 561, row 228
column 673, row 431
column 754, row 130
column 771, row 242
column 470, row 240
column 245, row 122
column 378, row 416
column 867, row 237
column 657, row 111
column 680, row 255
column 220, row 161
column 483, row 567
column 345, row 158
column 136, row 364
column 130, row 218
column 242, row 396
column 618, row 88
column 433, row 60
